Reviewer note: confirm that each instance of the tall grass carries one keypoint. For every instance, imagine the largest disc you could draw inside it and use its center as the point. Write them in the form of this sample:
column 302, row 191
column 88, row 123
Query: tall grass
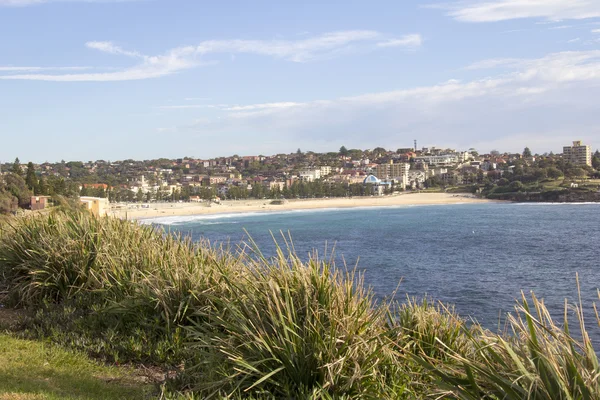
column 296, row 329
column 234, row 324
column 536, row 359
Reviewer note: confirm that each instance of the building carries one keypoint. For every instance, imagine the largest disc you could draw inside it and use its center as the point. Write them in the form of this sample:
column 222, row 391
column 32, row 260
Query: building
column 96, row 205
column 398, row 172
column 325, row 170
column 439, row 160
column 378, row 187
column 39, row 202
column 578, row 154
column 310, row 175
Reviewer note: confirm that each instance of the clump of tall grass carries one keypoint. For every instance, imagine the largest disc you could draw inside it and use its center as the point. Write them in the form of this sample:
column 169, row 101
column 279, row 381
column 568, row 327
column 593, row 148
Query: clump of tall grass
column 535, row 359
column 294, row 329
column 120, row 277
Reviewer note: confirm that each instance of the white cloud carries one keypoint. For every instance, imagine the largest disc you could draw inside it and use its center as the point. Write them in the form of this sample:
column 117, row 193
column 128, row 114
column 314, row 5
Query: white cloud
column 501, row 10
column 23, row 3
column 548, row 99
column 111, row 48
column 172, row 62
column 414, row 40
column 38, row 69
column 595, row 30
column 183, row 58
column 301, row 50
column 264, row 106
column 17, row 3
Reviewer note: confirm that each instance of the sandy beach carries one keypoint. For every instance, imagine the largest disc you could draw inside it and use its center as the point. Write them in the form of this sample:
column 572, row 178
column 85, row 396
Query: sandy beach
column 153, row 210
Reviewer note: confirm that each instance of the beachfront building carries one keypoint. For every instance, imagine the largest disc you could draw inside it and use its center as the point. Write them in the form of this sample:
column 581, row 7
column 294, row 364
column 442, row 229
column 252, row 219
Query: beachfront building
column 378, row 186
column 395, row 171
column 416, row 178
column 96, row 205
column 578, row 154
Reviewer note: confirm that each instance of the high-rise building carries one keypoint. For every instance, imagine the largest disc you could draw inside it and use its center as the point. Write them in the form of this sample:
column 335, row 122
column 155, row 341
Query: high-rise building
column 578, row 154
column 397, row 172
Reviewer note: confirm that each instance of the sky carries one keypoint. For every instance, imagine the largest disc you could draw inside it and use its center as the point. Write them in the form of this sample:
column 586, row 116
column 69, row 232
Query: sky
column 145, row 79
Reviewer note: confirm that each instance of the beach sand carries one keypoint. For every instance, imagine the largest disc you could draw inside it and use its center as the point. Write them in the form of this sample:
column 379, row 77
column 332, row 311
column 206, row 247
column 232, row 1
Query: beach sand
column 153, row 210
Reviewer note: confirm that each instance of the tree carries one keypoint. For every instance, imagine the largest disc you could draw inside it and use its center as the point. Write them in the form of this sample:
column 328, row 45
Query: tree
column 343, row 151
column 576, row 172
column 16, row 167
column 526, row 152
column 554, row 173
column 596, row 161
column 31, row 178
column 15, row 185
column 516, row 186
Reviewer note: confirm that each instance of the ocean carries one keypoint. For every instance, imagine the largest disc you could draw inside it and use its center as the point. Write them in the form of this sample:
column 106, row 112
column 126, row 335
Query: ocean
column 478, row 257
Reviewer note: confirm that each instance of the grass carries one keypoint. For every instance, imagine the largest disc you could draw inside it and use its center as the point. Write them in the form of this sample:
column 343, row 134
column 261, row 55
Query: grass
column 35, row 370
column 230, row 323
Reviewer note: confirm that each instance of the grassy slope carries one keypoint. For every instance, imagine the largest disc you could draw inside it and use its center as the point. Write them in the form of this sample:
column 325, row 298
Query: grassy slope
column 34, row 370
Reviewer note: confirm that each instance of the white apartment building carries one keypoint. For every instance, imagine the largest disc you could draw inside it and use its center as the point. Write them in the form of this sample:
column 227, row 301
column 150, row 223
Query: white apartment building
column 446, row 159
column 578, row 154
column 310, row 175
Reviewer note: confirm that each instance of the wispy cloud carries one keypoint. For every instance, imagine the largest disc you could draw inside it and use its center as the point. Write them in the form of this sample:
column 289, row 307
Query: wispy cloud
column 411, row 41
column 305, row 49
column 595, row 30
column 184, row 58
column 172, row 62
column 111, row 48
column 501, row 10
column 38, row 69
column 23, row 3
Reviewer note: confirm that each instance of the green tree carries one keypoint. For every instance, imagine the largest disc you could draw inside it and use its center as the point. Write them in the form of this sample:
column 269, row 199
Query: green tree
column 8, row 203
column 16, row 167
column 526, row 152
column 576, row 173
column 596, row 161
column 554, row 173
column 16, row 186
column 516, row 186
column 343, row 151
column 31, row 178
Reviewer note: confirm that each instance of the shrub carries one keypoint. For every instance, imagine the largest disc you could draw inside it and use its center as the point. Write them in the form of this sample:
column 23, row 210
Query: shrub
column 538, row 360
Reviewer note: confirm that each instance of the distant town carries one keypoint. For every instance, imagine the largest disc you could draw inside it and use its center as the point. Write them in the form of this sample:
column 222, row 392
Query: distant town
column 343, row 173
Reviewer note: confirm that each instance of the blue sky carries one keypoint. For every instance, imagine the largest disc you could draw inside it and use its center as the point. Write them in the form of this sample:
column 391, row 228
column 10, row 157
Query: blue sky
column 112, row 80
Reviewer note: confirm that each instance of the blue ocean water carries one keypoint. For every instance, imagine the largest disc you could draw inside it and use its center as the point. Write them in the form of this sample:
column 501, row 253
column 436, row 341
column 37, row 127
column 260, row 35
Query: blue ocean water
column 478, row 257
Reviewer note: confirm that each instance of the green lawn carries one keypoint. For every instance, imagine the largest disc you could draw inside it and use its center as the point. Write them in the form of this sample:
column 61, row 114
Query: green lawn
column 35, row 370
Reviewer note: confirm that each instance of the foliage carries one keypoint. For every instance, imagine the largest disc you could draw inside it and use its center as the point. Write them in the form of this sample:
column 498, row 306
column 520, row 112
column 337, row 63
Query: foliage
column 13, row 186
column 538, row 360
column 235, row 324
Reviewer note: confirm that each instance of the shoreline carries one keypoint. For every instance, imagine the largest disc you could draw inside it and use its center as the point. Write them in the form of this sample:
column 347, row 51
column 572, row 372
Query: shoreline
column 157, row 210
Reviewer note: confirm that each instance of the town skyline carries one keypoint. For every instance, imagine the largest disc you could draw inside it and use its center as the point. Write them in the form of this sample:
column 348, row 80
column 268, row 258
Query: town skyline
column 269, row 77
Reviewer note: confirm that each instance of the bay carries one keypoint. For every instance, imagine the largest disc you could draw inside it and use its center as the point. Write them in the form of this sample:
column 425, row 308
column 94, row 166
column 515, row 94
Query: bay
column 478, row 257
